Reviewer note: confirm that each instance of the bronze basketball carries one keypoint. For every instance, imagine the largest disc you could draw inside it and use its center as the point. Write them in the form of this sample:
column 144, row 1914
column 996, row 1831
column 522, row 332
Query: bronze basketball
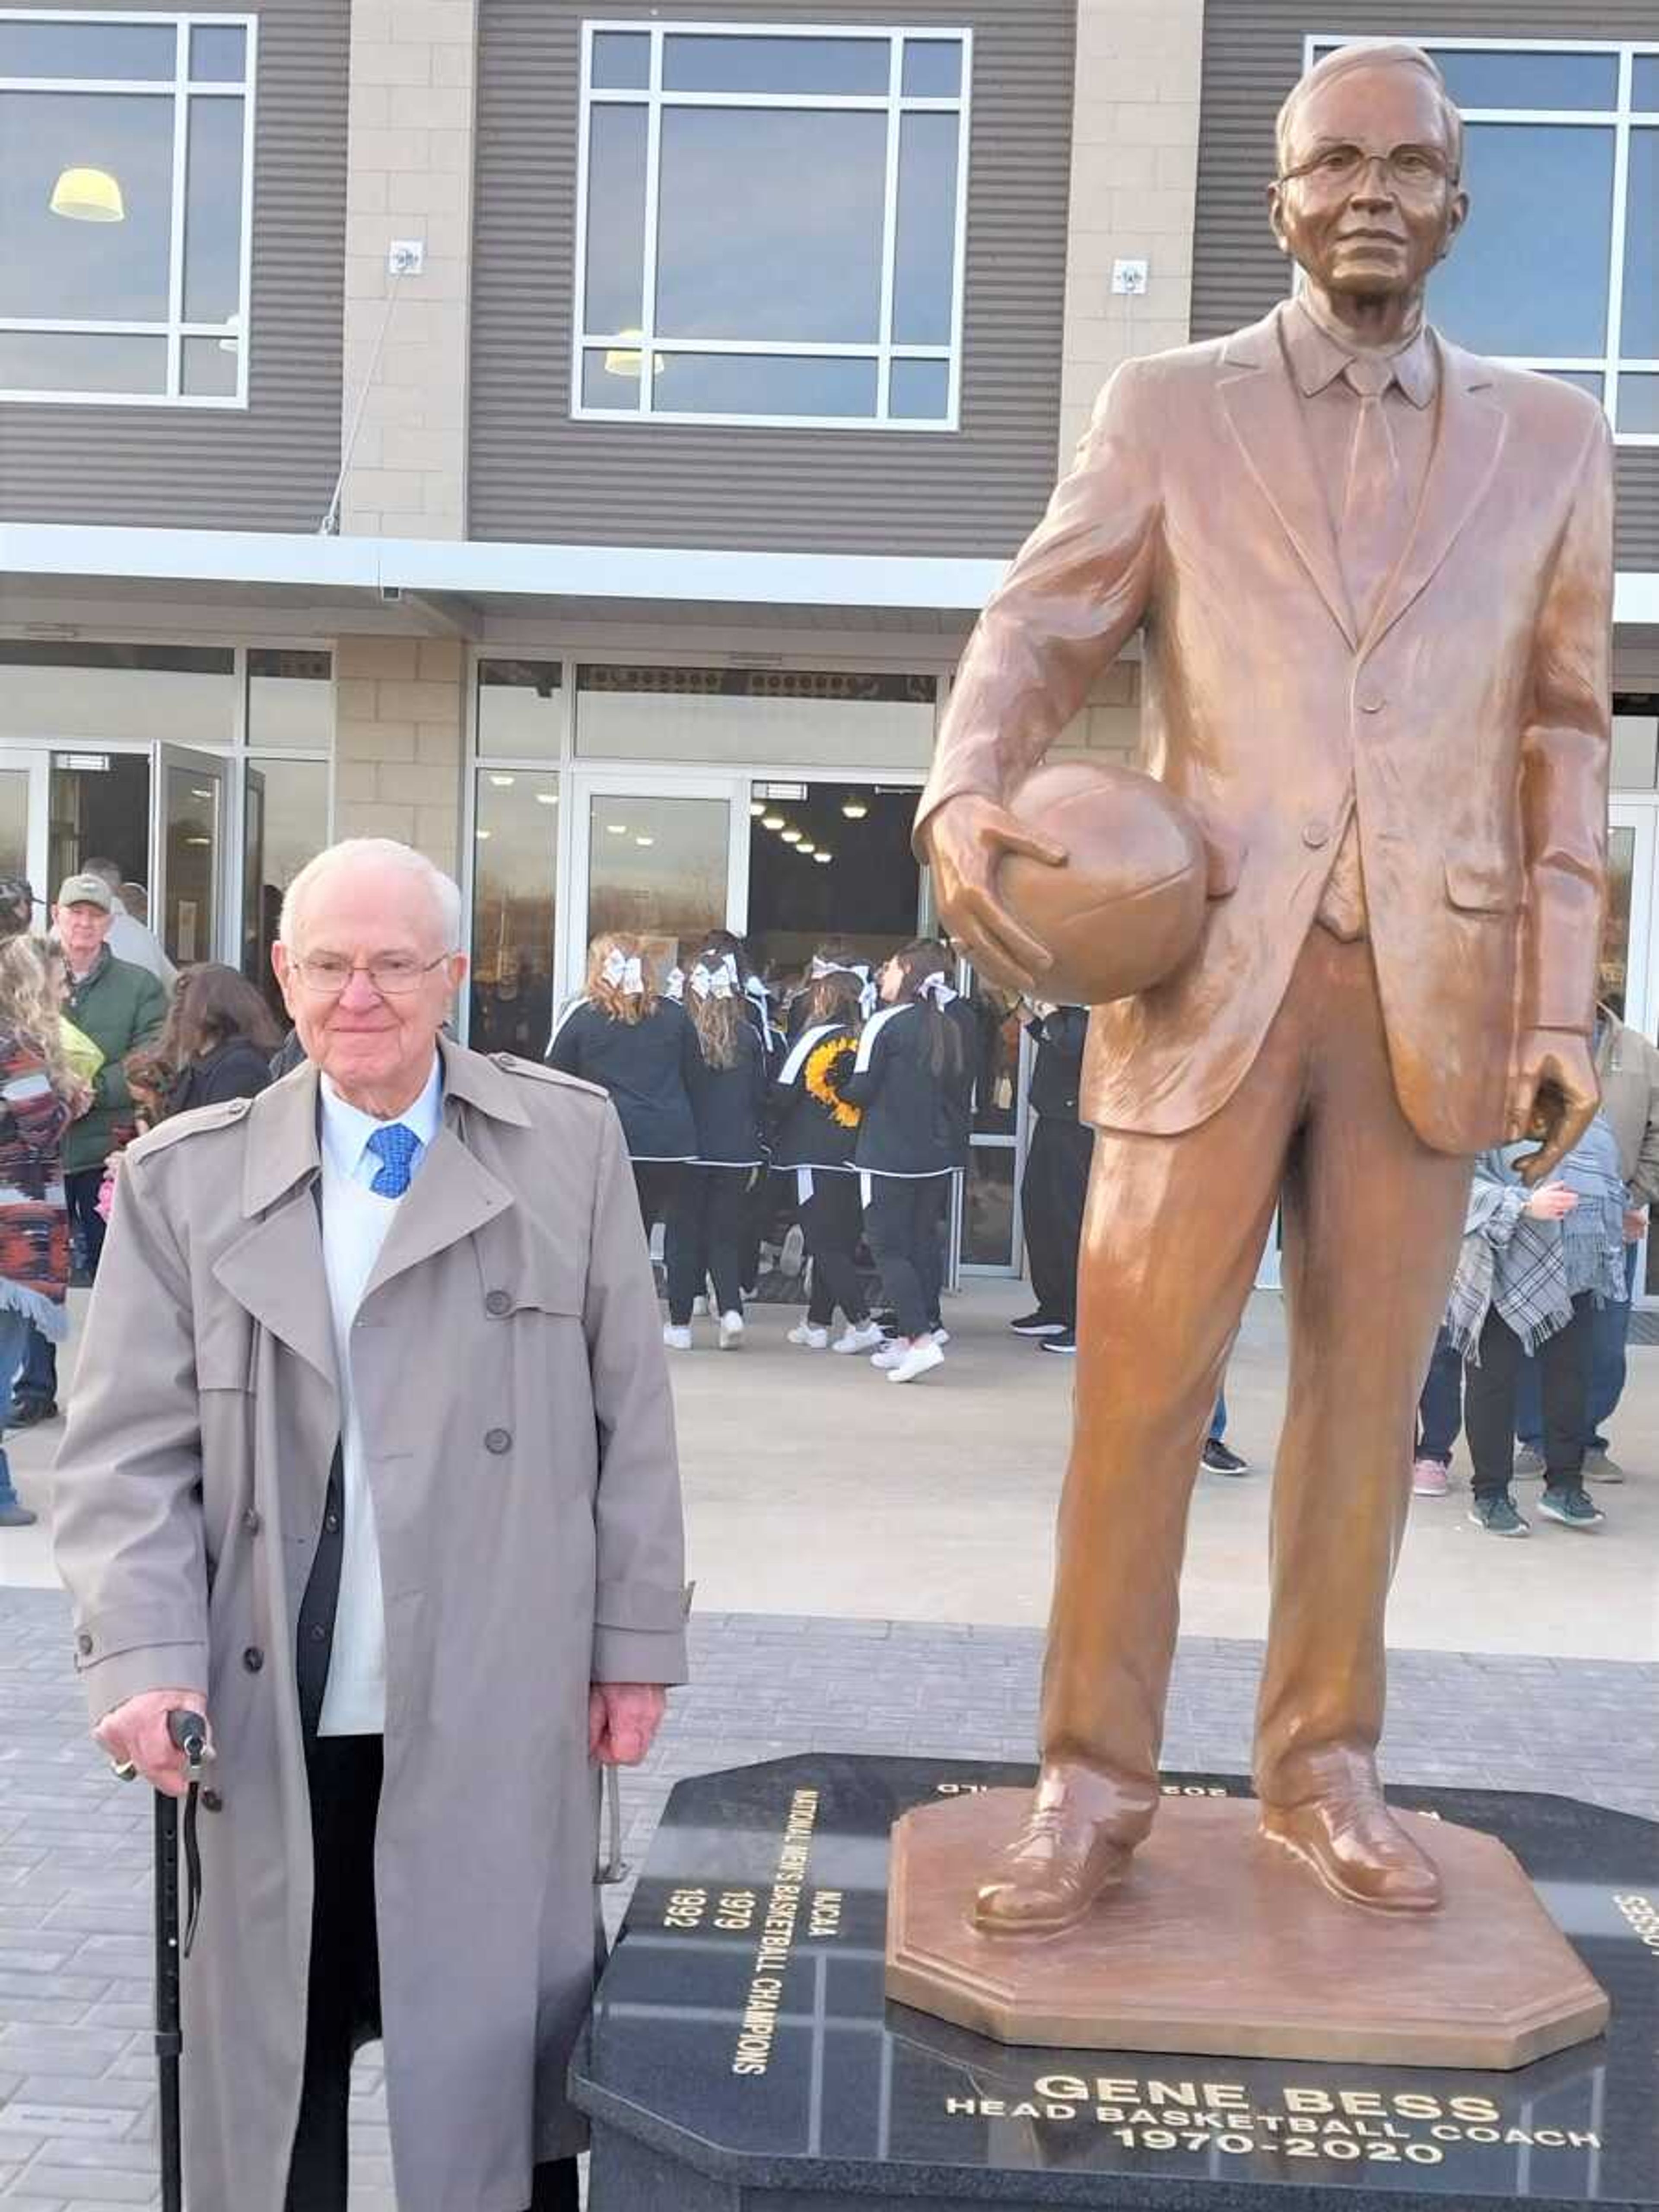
column 1126, row 906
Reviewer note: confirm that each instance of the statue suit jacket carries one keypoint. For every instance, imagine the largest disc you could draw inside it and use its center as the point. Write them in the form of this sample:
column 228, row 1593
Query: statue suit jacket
column 1468, row 724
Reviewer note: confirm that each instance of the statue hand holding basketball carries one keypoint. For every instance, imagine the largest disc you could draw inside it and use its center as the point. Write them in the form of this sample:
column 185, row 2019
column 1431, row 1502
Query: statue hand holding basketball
column 1553, row 1095
column 967, row 839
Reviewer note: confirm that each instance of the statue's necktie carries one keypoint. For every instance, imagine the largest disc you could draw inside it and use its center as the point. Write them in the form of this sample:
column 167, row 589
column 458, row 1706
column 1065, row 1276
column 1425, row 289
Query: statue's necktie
column 1376, row 516
column 394, row 1146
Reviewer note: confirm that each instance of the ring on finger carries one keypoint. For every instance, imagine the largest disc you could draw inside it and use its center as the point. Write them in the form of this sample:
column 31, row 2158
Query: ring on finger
column 123, row 1770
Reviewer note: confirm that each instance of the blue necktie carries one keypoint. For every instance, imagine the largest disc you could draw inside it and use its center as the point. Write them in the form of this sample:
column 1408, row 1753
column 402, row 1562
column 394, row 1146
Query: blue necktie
column 395, row 1147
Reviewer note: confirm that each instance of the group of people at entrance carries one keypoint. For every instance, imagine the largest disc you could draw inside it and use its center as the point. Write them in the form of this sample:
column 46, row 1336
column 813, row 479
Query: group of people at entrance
column 858, row 1092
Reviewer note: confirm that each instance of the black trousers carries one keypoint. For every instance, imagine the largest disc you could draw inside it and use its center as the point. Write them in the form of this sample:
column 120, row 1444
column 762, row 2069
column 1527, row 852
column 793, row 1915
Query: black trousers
column 705, row 1219
column 902, row 1220
column 344, row 1995
column 1490, row 1385
column 657, row 1183
column 1051, row 1199
column 833, row 1223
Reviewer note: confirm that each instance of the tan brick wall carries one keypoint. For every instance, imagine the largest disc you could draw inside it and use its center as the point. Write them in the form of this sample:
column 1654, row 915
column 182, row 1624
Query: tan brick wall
column 399, row 742
column 409, row 176
column 1134, row 181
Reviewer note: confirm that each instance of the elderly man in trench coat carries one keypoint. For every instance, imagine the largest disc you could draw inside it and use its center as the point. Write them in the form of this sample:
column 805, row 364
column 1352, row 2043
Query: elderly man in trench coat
column 372, row 1459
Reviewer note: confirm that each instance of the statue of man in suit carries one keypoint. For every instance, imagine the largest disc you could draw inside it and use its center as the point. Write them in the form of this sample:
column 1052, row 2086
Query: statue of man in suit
column 1373, row 576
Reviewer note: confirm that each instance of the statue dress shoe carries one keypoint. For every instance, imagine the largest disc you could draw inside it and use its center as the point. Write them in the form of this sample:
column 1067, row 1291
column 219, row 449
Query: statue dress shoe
column 1071, row 1847
column 1358, row 1849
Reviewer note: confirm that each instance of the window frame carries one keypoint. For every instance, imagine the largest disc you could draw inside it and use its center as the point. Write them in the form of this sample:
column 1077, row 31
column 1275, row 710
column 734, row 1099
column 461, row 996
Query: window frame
column 1622, row 120
column 175, row 329
column 893, row 104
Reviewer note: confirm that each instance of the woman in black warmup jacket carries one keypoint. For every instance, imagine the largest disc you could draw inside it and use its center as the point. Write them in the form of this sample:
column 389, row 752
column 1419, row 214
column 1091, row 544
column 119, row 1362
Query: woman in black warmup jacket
column 728, row 1098
column 816, row 1129
column 643, row 1050
column 914, row 1086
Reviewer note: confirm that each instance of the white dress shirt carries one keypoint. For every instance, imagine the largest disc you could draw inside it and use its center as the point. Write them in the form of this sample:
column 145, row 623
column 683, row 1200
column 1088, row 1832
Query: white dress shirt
column 355, row 1219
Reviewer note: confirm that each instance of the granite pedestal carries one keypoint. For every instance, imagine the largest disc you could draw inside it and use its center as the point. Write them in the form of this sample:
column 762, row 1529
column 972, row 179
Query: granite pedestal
column 743, row 2057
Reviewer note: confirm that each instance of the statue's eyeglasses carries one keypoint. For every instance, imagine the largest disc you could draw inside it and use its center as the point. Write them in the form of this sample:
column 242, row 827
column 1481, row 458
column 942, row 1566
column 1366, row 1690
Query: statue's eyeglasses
column 1409, row 168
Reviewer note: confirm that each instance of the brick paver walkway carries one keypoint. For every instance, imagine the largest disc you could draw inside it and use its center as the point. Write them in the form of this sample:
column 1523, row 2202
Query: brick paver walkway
column 75, row 1945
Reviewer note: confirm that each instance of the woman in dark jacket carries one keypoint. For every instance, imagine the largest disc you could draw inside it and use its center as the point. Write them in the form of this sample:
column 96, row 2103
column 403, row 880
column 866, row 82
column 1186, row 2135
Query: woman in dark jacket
column 728, row 1098
column 914, row 1086
column 642, row 1049
column 217, row 1044
column 816, row 1130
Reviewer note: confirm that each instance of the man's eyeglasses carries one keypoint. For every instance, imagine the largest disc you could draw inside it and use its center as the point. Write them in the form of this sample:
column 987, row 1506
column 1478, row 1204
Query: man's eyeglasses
column 1409, row 168
column 327, row 974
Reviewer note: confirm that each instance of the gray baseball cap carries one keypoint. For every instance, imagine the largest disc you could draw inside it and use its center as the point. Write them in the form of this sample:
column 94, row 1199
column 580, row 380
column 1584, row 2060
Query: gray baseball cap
column 87, row 890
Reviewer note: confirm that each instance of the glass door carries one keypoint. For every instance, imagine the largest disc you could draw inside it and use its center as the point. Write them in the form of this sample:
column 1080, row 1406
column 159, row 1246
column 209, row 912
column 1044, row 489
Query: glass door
column 24, row 818
column 188, row 906
column 658, row 857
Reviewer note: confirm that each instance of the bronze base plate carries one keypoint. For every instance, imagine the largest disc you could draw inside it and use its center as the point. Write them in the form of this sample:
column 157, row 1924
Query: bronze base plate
column 1222, row 1943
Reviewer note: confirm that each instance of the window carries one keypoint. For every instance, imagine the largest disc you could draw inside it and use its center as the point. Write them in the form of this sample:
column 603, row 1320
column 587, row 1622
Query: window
column 1558, row 268
column 771, row 226
column 126, row 174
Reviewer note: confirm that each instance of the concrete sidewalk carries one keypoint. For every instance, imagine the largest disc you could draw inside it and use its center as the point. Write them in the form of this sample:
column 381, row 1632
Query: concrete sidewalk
column 813, row 1488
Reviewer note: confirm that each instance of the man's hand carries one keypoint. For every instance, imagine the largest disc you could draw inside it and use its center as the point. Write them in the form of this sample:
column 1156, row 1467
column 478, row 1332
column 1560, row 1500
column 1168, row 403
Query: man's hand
column 1552, row 1201
column 622, row 1717
column 138, row 1731
column 966, row 841
column 1553, row 1096
column 1636, row 1224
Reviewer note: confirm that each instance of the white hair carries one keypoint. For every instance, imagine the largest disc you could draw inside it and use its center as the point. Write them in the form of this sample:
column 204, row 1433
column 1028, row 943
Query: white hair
column 374, row 852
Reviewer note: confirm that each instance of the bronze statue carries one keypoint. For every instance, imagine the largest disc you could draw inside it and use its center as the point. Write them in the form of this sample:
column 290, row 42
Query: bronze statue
column 1373, row 576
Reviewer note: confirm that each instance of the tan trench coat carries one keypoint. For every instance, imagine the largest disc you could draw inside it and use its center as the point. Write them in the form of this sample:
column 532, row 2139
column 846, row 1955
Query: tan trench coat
column 508, row 1361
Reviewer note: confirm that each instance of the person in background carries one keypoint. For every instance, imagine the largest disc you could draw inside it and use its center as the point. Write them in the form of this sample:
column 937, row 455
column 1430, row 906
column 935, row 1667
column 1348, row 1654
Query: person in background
column 816, row 1129
column 705, row 1231
column 1628, row 1065
column 1534, row 1268
column 16, row 905
column 119, row 1006
column 641, row 1048
column 1056, row 1178
column 39, row 1096
column 912, row 1087
column 131, row 937
column 1217, row 1456
column 218, row 1042
column 1439, row 1418
column 514, row 1012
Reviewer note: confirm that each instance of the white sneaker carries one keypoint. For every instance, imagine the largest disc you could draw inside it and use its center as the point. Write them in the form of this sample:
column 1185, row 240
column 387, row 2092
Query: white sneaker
column 941, row 1336
column 676, row 1339
column 814, row 1340
column 889, row 1355
column 864, row 1338
column 731, row 1331
column 793, row 1254
column 919, row 1359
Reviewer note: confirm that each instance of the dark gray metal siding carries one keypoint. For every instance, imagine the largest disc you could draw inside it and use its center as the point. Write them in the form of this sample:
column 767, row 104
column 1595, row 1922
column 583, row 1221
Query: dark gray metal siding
column 1253, row 52
column 537, row 475
column 271, row 466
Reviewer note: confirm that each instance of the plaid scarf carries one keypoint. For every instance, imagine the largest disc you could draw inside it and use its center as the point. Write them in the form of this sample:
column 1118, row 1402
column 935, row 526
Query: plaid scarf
column 1509, row 1260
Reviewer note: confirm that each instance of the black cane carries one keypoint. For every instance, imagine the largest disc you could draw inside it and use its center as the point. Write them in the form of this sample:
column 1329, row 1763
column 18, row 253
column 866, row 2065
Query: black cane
column 189, row 1732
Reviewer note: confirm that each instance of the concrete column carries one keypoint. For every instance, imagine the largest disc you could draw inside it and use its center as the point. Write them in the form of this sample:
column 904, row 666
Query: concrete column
column 399, row 742
column 1135, row 186
column 409, row 167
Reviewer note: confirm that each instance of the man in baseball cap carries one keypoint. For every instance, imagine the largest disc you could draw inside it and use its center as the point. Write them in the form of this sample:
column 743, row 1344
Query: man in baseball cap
column 16, row 905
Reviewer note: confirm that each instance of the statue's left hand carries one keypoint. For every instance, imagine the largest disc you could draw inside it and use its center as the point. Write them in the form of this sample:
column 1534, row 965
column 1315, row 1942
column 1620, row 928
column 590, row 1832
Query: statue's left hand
column 1553, row 1096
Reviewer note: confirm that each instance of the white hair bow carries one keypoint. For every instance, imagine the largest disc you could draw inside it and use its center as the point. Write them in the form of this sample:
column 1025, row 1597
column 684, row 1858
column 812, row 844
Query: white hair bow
column 935, row 988
column 615, row 968
column 675, row 987
column 633, row 978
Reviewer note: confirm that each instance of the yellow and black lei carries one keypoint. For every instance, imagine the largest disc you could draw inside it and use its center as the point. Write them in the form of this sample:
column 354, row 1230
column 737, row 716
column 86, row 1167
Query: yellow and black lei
column 826, row 1064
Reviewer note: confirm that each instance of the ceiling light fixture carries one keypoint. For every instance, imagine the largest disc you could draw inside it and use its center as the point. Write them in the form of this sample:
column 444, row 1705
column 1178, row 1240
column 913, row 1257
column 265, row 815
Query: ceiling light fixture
column 853, row 809
column 807, row 848
column 616, row 829
column 822, row 858
column 792, row 836
column 645, row 840
column 503, row 782
column 771, row 822
column 87, row 195
column 547, row 798
column 758, row 807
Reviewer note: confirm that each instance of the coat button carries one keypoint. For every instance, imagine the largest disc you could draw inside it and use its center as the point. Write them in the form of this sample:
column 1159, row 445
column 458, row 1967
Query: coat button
column 332, row 1522
column 1372, row 703
column 498, row 1441
column 252, row 1521
column 212, row 1801
column 83, row 1645
column 1316, row 833
column 254, row 1659
column 318, row 1632
column 499, row 1301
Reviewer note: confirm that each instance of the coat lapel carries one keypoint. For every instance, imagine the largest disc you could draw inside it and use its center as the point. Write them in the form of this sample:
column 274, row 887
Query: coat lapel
column 1260, row 405
column 274, row 1270
column 1470, row 438
column 453, row 1194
